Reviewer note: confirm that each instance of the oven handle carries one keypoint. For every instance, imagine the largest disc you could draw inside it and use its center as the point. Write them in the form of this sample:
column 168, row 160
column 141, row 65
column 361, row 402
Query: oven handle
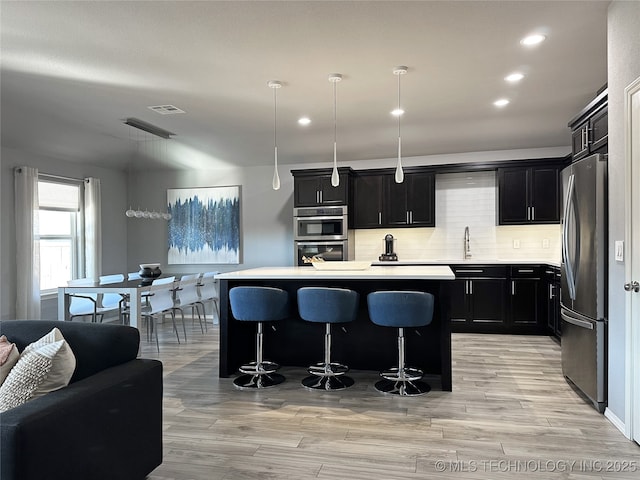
column 323, row 217
column 328, row 242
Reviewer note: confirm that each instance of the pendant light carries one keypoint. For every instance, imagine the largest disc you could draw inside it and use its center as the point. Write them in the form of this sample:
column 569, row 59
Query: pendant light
column 399, row 177
column 335, row 178
column 275, row 85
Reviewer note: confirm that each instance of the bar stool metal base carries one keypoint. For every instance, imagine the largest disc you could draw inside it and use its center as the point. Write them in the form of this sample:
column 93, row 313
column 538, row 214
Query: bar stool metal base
column 407, row 374
column 259, row 380
column 328, row 382
column 403, row 388
column 255, row 368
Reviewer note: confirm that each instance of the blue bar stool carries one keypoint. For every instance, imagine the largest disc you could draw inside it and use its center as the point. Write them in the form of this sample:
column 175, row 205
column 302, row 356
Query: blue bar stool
column 327, row 305
column 259, row 304
column 401, row 310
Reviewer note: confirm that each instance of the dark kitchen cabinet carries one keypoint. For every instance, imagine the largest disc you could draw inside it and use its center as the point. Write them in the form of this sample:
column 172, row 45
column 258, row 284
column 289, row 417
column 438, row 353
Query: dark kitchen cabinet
column 552, row 284
column 527, row 313
column 368, row 196
column 590, row 128
column 410, row 203
column 478, row 299
column 528, row 195
column 381, row 202
column 313, row 187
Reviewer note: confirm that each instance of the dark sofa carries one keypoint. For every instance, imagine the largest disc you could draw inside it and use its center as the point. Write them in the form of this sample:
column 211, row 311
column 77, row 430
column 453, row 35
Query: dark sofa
column 106, row 424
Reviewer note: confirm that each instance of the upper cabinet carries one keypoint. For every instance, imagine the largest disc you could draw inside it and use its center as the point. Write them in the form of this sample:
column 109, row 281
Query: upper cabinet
column 412, row 202
column 367, row 199
column 529, row 195
column 590, row 128
column 313, row 187
column 381, row 202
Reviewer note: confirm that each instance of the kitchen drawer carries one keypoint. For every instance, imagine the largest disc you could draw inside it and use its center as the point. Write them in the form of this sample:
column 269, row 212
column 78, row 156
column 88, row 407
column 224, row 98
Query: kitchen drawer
column 528, row 271
column 479, row 271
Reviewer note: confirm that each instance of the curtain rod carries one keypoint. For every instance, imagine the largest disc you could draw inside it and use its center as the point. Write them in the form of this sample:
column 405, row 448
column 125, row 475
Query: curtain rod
column 59, row 177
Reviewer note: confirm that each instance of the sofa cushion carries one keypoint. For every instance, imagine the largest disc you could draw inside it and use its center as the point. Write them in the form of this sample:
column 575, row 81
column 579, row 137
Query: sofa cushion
column 96, row 346
column 9, row 356
column 44, row 366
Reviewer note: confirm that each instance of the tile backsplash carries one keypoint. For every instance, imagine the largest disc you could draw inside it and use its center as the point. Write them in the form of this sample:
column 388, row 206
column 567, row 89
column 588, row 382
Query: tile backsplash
column 464, row 199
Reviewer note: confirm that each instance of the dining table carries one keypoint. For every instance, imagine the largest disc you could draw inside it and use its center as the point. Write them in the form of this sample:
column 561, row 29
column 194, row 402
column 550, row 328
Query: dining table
column 134, row 289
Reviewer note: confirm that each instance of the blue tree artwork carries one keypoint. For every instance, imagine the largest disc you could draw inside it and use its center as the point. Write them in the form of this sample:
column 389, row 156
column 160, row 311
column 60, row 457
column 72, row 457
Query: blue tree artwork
column 204, row 225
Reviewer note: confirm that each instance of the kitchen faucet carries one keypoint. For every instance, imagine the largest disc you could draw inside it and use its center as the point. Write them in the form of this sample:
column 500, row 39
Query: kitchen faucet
column 467, row 248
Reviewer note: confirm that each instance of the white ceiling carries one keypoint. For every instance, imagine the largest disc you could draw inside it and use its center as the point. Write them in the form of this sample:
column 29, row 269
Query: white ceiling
column 73, row 71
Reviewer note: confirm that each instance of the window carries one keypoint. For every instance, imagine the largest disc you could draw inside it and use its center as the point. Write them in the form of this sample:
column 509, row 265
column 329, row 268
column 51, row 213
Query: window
column 61, row 233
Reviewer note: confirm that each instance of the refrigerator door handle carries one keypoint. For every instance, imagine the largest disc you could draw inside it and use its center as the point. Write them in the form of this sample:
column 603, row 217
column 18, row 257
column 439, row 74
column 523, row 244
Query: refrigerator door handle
column 565, row 238
column 577, row 322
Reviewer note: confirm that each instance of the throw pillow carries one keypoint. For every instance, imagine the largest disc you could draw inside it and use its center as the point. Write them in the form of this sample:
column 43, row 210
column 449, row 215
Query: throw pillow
column 9, row 356
column 44, row 366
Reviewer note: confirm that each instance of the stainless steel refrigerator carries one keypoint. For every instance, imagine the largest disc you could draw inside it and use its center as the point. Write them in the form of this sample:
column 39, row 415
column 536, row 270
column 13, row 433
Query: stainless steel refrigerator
column 584, row 277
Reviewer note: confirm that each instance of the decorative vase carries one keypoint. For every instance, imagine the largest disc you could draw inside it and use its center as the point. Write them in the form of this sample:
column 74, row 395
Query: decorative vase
column 150, row 270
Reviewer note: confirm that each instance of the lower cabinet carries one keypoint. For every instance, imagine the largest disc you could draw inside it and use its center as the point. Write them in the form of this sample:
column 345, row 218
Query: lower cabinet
column 478, row 299
column 528, row 307
column 499, row 299
column 552, row 275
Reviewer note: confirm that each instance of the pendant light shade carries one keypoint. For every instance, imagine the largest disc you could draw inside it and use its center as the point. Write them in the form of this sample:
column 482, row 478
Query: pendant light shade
column 399, row 176
column 275, row 85
column 335, row 178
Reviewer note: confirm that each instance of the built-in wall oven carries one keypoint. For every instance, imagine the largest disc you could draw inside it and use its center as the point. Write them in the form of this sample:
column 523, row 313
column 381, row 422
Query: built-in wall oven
column 321, row 233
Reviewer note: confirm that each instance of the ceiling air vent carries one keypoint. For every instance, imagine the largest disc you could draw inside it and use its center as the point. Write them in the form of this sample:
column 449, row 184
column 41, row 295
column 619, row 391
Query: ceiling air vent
column 166, row 109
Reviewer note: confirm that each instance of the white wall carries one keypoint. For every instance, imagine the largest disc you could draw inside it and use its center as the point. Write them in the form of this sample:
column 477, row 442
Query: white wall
column 623, row 37
column 113, row 184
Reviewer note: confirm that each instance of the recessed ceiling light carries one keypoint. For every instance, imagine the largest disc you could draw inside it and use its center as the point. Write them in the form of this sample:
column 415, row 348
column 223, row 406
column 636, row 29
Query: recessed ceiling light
column 514, row 77
column 304, row 120
column 397, row 112
column 501, row 103
column 534, row 39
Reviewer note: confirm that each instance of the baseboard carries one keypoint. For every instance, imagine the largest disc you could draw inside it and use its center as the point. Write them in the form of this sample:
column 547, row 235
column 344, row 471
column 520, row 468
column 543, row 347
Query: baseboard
column 613, row 418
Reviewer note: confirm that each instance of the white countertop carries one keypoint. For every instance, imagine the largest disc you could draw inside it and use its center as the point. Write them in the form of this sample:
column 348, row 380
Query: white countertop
column 472, row 261
column 398, row 272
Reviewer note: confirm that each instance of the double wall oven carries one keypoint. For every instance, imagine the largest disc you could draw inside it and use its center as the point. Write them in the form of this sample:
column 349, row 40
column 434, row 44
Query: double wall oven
column 321, row 233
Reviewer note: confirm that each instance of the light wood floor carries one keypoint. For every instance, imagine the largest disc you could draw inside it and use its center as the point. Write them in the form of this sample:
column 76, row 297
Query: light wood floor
column 511, row 415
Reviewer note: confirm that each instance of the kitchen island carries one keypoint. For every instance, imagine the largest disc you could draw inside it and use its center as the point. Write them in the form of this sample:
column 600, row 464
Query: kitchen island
column 359, row 344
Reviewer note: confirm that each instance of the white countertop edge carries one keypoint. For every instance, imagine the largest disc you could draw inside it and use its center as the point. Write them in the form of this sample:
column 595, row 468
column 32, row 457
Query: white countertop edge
column 398, row 272
column 471, row 262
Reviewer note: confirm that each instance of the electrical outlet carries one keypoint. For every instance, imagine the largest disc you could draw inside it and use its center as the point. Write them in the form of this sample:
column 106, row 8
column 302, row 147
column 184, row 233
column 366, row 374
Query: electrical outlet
column 516, row 244
column 545, row 243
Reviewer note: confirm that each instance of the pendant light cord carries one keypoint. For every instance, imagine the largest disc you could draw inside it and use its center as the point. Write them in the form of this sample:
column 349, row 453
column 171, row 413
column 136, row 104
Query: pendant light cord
column 335, row 114
column 399, row 108
column 275, row 118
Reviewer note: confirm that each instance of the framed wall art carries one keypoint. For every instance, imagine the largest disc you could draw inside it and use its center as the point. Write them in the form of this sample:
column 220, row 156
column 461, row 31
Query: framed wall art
column 204, row 225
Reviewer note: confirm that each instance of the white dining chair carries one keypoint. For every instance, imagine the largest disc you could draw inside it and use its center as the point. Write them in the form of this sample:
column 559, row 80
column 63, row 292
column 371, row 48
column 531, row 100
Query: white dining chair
column 187, row 297
column 85, row 304
column 208, row 292
column 113, row 301
column 161, row 302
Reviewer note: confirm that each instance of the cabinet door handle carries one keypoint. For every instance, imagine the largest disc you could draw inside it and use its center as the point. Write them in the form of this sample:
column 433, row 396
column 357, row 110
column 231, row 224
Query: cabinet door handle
column 466, row 287
column 411, row 216
column 470, row 287
column 379, row 218
column 533, row 213
column 550, row 292
column 479, row 270
column 513, row 288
